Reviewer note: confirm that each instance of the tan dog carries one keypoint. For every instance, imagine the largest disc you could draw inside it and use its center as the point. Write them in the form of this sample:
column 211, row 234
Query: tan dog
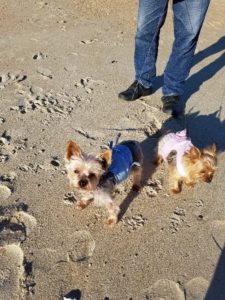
column 95, row 177
column 192, row 164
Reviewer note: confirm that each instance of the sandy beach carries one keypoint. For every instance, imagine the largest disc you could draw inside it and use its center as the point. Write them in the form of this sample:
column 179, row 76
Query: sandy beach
column 63, row 64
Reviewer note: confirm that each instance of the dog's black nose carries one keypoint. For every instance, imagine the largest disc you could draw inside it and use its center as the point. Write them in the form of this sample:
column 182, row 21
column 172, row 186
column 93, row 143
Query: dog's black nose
column 209, row 179
column 83, row 183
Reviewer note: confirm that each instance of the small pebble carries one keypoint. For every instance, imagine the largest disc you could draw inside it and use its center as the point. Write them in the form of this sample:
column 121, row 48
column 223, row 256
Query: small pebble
column 55, row 162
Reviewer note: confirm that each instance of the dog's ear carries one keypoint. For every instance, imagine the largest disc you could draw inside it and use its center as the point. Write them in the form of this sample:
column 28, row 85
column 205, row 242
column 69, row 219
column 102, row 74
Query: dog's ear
column 195, row 153
column 72, row 149
column 211, row 150
column 105, row 158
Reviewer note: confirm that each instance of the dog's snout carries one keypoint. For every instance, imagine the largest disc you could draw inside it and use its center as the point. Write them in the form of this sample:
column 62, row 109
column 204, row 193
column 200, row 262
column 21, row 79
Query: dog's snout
column 83, row 183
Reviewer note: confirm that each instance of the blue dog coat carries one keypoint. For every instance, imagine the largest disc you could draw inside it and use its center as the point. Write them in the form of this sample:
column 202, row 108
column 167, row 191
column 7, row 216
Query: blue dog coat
column 122, row 161
column 125, row 156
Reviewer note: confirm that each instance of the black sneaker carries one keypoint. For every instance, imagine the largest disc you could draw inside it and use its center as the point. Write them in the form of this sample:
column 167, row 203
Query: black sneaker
column 169, row 103
column 135, row 91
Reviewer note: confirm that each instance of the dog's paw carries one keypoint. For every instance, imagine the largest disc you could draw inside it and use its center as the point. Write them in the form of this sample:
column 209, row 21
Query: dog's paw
column 111, row 221
column 175, row 190
column 81, row 204
column 136, row 188
column 190, row 184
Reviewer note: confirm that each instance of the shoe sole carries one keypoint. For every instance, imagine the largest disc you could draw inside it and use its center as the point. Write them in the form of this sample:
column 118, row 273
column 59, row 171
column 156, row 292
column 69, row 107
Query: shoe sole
column 168, row 111
column 133, row 99
column 127, row 99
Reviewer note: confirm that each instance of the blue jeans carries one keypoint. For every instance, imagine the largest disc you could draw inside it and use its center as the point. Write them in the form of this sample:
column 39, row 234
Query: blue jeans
column 188, row 19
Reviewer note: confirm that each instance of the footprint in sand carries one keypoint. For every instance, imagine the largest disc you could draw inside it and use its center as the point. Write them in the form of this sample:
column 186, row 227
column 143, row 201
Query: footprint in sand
column 134, row 222
column 196, row 289
column 15, row 224
column 15, row 276
column 163, row 290
column 81, row 245
column 69, row 198
column 53, row 104
column 8, row 78
column 5, row 192
column 153, row 187
column 9, row 146
column 11, row 272
column 78, row 247
column 62, row 263
column 177, row 219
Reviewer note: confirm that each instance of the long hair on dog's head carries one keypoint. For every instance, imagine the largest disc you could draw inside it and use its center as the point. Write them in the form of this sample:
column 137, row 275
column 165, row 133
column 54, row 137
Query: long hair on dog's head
column 201, row 164
column 85, row 170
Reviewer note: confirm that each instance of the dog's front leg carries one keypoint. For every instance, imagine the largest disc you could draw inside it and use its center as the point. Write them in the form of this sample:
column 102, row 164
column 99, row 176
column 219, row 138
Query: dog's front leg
column 83, row 203
column 137, row 176
column 175, row 181
column 113, row 211
column 189, row 183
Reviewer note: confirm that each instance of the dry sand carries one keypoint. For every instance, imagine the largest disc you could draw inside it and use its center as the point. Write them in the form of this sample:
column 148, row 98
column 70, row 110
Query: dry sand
column 62, row 66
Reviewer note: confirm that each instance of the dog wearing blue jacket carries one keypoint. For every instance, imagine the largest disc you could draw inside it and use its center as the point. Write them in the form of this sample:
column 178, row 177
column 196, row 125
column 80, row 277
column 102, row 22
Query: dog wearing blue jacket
column 94, row 178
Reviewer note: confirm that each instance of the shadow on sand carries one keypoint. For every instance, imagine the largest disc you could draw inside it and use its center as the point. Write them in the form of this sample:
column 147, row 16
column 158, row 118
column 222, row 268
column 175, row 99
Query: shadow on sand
column 216, row 290
column 194, row 82
column 204, row 130
column 148, row 147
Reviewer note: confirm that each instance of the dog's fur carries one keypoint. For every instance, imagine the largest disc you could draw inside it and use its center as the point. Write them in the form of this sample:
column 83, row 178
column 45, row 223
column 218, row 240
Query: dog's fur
column 85, row 173
column 200, row 166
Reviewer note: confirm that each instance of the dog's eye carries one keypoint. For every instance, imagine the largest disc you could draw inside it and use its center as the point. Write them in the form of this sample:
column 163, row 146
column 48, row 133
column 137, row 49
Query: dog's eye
column 91, row 175
column 76, row 171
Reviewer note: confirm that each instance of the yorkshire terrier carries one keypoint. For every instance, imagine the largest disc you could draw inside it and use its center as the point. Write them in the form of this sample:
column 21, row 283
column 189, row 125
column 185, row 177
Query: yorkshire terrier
column 95, row 177
column 191, row 165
